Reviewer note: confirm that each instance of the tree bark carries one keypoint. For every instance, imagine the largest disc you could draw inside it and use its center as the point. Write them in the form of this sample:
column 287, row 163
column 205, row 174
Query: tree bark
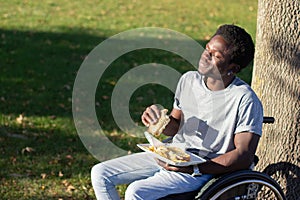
column 276, row 80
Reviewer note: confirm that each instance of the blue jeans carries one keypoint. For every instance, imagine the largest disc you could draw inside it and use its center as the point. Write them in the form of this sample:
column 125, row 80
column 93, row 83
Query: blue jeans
column 148, row 181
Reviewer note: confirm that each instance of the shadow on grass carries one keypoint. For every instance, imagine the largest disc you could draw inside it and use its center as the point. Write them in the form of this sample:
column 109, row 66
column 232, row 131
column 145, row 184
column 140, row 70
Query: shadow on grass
column 38, row 70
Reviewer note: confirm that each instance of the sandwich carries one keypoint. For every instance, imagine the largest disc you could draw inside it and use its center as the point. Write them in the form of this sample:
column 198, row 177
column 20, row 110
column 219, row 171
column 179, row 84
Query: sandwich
column 157, row 128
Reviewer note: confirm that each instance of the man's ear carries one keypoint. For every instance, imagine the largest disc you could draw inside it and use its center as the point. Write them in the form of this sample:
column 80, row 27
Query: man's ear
column 235, row 68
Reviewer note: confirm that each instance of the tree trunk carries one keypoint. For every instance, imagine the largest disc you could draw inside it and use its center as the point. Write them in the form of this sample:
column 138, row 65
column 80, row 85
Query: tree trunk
column 276, row 80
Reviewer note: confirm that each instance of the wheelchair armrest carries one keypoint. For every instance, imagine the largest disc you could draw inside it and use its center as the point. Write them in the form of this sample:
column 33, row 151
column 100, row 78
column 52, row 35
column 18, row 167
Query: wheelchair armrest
column 268, row 120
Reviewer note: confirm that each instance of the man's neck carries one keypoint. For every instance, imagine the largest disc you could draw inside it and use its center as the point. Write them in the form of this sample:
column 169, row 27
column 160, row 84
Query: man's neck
column 218, row 84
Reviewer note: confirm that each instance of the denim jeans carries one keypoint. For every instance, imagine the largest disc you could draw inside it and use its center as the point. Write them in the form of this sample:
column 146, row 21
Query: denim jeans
column 148, row 181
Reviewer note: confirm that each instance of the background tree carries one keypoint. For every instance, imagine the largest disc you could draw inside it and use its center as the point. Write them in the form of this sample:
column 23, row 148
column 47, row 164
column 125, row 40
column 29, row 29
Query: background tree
column 276, row 80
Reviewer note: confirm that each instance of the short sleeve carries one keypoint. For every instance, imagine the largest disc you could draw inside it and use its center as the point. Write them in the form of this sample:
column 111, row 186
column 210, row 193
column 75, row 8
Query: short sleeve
column 250, row 116
column 178, row 92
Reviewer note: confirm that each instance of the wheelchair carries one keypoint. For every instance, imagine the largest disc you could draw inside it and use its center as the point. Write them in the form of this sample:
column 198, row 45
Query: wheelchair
column 239, row 185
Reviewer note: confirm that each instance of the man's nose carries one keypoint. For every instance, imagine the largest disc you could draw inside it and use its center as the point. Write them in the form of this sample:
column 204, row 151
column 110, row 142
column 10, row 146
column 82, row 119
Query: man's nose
column 207, row 53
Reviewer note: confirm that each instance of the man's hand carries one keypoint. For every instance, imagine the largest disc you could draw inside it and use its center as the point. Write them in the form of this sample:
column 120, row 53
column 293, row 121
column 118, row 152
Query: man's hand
column 151, row 115
column 185, row 169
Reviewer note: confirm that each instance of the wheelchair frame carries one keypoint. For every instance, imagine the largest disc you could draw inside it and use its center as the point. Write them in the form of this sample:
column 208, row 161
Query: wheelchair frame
column 239, row 185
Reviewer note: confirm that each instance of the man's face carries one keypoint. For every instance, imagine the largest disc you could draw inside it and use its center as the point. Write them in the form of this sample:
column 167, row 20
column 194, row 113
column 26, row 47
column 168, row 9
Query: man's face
column 215, row 58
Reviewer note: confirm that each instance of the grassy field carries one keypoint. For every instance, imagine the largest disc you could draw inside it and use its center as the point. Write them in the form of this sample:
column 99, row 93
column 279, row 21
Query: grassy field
column 42, row 45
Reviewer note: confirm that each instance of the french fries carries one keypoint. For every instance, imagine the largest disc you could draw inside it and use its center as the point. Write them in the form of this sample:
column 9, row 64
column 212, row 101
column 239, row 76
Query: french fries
column 175, row 154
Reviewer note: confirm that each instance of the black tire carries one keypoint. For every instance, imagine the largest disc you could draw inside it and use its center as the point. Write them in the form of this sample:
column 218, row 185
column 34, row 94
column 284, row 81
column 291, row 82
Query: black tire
column 244, row 184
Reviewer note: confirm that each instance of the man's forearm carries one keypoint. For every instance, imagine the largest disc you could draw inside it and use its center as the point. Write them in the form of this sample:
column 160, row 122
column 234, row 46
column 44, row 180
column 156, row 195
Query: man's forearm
column 239, row 158
column 173, row 126
column 228, row 162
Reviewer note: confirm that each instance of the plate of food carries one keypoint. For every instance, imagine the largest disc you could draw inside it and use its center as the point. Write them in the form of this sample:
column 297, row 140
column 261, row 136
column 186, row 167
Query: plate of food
column 172, row 154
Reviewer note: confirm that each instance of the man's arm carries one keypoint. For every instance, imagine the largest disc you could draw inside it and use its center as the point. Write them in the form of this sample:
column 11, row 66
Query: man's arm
column 173, row 126
column 239, row 158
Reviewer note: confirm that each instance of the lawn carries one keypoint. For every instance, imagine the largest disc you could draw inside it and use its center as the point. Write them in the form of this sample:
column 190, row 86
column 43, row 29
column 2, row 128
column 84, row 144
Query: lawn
column 42, row 45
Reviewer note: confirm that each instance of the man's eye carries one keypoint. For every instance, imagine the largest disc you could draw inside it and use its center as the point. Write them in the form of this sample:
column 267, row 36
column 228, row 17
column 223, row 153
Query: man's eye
column 217, row 56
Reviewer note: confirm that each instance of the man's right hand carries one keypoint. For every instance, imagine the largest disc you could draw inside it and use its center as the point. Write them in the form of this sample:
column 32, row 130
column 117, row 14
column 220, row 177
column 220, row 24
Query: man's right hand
column 151, row 115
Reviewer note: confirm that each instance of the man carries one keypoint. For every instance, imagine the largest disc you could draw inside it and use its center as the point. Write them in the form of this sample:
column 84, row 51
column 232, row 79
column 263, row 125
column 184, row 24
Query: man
column 214, row 112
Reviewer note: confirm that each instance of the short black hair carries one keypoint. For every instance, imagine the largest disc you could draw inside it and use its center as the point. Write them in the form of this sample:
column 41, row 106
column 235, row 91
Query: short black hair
column 241, row 43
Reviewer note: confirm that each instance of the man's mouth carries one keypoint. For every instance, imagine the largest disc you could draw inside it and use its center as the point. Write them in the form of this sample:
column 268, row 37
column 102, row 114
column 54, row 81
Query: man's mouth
column 204, row 62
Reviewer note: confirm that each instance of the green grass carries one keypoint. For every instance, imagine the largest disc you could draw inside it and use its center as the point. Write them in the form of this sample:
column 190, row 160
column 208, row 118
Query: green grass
column 42, row 45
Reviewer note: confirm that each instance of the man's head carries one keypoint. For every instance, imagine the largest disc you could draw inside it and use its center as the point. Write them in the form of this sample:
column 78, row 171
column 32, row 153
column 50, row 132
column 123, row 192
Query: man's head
column 228, row 51
column 240, row 42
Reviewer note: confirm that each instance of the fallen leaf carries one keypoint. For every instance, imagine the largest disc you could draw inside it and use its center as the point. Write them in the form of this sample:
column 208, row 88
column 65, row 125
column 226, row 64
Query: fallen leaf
column 13, row 160
column 53, row 117
column 70, row 188
column 65, row 183
column 105, row 97
column 43, row 175
column 61, row 105
column 27, row 149
column 112, row 82
column 60, row 174
column 68, row 87
column 69, row 157
column 20, row 119
column 140, row 98
column 83, row 187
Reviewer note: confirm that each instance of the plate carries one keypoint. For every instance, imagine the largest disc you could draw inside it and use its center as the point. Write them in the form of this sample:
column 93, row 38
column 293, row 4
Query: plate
column 194, row 158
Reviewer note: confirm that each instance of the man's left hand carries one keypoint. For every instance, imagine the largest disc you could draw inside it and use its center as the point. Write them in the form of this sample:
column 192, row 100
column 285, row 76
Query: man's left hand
column 184, row 169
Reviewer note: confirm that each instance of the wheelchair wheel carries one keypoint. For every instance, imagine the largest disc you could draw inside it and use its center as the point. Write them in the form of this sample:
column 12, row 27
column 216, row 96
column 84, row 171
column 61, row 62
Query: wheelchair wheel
column 246, row 184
